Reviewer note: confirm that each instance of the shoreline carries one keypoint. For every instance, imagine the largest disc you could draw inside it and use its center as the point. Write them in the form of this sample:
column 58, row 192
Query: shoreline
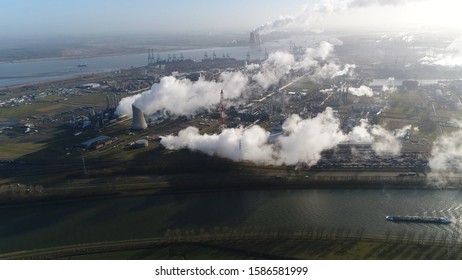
column 50, row 82
column 116, row 53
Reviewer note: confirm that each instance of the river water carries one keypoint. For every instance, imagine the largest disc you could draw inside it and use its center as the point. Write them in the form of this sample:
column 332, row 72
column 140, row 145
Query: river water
column 50, row 70
column 38, row 226
column 57, row 69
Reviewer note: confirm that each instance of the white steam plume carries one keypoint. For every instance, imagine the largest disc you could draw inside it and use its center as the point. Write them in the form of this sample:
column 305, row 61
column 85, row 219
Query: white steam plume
column 444, row 59
column 446, row 157
column 313, row 56
column 253, row 67
column 368, row 3
column 302, row 141
column 309, row 17
column 441, row 60
column 389, row 89
column 253, row 143
column 335, row 41
column 361, row 91
column 183, row 97
column 331, row 70
column 383, row 142
column 319, row 62
column 274, row 68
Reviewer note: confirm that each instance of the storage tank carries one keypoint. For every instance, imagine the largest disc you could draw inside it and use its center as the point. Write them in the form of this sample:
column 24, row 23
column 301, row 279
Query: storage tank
column 142, row 143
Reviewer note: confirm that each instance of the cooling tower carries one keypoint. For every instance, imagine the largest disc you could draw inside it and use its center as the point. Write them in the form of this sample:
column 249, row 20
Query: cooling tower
column 254, row 38
column 138, row 121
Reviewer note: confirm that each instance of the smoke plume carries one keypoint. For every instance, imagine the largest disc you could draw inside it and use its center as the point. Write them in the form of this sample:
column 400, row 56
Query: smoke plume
column 274, row 68
column 234, row 143
column 446, row 157
column 368, row 3
column 319, row 63
column 308, row 18
column 302, row 141
column 455, row 59
column 383, row 142
column 441, row 60
column 389, row 89
column 331, row 70
column 183, row 97
column 361, row 91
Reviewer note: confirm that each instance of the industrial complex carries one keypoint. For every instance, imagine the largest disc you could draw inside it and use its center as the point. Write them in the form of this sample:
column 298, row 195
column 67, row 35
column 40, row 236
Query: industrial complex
column 401, row 100
column 361, row 124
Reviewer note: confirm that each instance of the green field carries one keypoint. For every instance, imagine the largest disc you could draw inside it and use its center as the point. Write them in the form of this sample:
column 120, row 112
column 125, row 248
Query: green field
column 258, row 245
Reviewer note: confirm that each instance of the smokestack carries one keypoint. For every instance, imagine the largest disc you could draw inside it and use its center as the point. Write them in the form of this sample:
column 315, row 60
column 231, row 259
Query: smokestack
column 138, row 121
column 255, row 39
column 107, row 103
column 114, row 101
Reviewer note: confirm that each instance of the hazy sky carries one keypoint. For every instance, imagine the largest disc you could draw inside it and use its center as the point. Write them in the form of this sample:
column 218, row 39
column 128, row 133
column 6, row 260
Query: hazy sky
column 126, row 16
column 93, row 17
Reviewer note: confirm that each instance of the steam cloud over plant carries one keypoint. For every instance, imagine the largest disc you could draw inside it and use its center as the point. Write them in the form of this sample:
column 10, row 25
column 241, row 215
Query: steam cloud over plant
column 361, row 91
column 319, row 63
column 183, row 97
column 308, row 18
column 302, row 141
column 446, row 157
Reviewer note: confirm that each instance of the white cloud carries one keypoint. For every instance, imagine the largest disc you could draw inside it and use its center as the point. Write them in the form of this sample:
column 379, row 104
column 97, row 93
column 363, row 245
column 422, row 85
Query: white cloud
column 361, row 91
column 446, row 157
column 183, row 97
column 302, row 141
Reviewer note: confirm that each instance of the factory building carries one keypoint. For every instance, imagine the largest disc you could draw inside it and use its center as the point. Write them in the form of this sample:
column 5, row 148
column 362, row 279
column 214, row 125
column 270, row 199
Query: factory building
column 97, row 143
column 138, row 121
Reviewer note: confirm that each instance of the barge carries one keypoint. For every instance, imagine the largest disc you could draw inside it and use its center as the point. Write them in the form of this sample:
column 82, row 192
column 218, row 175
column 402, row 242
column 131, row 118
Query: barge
column 418, row 219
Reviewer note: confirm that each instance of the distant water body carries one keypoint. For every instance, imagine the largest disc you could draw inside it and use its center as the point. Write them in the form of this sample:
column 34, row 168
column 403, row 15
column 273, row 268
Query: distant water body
column 56, row 224
column 58, row 69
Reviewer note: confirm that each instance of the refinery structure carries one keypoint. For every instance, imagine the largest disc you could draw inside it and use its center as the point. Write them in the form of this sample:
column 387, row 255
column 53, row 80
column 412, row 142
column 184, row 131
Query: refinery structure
column 222, row 96
column 301, row 112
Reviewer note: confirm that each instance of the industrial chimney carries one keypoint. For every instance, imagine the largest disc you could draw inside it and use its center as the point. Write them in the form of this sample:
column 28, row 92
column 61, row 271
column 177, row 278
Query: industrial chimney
column 255, row 39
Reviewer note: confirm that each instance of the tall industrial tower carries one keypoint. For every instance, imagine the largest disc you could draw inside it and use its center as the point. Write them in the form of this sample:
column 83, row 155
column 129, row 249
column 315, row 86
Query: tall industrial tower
column 151, row 56
column 222, row 112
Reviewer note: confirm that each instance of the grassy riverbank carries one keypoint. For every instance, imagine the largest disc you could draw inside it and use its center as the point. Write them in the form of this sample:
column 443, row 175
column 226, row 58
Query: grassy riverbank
column 311, row 244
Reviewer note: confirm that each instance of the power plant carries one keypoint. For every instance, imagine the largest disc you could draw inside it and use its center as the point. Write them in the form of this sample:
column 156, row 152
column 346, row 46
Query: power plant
column 138, row 121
